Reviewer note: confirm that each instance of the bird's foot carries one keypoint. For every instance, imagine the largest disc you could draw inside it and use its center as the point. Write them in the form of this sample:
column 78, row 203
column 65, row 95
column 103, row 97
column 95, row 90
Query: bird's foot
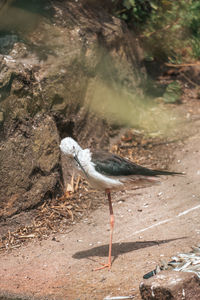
column 103, row 267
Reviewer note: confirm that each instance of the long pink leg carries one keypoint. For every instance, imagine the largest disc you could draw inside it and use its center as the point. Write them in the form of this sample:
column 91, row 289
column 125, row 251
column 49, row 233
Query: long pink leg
column 108, row 265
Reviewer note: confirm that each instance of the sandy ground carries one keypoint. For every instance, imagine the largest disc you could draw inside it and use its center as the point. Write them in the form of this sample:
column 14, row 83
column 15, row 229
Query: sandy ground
column 151, row 225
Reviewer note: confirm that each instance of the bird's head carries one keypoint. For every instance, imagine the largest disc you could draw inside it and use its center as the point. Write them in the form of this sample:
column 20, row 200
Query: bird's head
column 70, row 147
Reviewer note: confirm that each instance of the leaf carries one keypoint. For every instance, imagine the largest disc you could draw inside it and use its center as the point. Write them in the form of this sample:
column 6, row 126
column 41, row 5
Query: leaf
column 173, row 92
column 70, row 188
column 154, row 6
column 69, row 206
column 124, row 17
column 127, row 4
column 132, row 2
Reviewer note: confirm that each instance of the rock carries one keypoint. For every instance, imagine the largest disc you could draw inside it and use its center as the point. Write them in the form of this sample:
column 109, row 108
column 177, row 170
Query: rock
column 59, row 65
column 30, row 165
column 49, row 72
column 171, row 285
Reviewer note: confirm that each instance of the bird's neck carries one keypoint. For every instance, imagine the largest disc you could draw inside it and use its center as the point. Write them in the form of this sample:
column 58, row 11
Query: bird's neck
column 84, row 156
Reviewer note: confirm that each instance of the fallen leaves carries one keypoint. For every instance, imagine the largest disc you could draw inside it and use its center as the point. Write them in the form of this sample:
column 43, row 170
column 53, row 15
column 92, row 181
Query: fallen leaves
column 53, row 215
column 145, row 150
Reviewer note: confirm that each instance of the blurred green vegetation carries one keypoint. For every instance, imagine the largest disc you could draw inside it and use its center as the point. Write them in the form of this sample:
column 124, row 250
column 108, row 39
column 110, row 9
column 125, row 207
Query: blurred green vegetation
column 169, row 30
column 173, row 92
column 122, row 107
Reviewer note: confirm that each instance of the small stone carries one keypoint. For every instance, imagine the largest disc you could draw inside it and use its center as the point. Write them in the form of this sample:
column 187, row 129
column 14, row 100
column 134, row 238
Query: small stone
column 169, row 285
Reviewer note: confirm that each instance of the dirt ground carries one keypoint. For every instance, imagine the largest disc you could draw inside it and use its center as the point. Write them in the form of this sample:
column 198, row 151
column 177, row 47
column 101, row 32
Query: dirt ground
column 151, row 225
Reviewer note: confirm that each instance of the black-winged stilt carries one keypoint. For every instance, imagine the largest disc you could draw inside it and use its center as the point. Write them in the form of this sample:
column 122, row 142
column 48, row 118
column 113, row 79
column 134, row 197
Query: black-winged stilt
column 107, row 171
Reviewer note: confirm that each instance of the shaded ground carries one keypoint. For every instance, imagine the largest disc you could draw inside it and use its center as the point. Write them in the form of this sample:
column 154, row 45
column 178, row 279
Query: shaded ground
column 152, row 224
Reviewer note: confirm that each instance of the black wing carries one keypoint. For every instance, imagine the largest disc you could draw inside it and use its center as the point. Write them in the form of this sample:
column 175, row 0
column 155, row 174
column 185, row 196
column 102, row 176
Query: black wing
column 113, row 165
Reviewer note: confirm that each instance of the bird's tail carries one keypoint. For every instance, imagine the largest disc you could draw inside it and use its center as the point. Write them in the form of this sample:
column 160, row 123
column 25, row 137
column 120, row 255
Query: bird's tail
column 162, row 172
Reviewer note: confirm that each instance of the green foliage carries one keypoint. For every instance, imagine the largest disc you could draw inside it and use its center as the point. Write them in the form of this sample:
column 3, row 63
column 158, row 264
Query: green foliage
column 173, row 92
column 169, row 30
column 195, row 44
column 134, row 10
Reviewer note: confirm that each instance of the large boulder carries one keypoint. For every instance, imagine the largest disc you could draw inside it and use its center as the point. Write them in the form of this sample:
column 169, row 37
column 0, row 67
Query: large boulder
column 30, row 170
column 50, row 66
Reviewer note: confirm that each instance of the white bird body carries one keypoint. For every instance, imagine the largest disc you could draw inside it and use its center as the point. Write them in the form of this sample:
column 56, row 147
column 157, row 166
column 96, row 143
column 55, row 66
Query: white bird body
column 106, row 170
column 97, row 180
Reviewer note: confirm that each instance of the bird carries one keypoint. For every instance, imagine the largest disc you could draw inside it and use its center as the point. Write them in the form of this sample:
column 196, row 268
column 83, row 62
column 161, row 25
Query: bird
column 108, row 172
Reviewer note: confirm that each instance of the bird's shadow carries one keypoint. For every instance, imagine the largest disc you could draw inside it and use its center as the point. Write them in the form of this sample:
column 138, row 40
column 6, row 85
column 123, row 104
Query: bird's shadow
column 120, row 248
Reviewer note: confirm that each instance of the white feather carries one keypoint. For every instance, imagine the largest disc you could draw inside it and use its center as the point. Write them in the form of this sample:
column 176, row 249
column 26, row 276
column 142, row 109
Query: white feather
column 99, row 181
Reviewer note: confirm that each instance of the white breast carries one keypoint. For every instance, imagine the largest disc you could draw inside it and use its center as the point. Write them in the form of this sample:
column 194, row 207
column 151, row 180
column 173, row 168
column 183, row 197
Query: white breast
column 102, row 182
column 96, row 179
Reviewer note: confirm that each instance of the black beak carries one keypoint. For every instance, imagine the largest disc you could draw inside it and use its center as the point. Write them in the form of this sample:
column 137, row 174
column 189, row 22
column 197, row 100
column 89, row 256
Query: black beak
column 78, row 162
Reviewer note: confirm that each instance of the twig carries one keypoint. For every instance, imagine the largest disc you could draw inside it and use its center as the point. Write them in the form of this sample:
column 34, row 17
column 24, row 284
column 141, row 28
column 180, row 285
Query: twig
column 30, row 236
column 182, row 65
column 77, row 183
column 190, row 81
